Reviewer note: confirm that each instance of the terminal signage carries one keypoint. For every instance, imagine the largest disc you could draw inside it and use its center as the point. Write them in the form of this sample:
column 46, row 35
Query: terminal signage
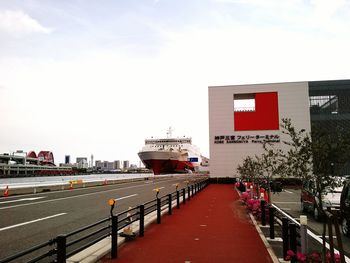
column 258, row 138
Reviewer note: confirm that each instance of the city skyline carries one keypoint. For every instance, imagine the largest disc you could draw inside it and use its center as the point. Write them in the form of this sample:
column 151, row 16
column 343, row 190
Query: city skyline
column 81, row 77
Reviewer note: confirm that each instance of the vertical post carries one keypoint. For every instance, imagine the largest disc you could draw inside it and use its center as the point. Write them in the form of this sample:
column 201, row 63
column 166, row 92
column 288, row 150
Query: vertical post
column 263, row 212
column 285, row 236
column 303, row 234
column 114, row 250
column 272, row 221
column 330, row 235
column 293, row 239
column 177, row 199
column 189, row 193
column 158, row 210
column 142, row 221
column 169, row 203
column 61, row 248
column 339, row 240
column 184, row 195
column 192, row 189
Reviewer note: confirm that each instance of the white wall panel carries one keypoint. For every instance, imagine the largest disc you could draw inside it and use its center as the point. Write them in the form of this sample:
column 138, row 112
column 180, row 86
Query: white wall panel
column 293, row 102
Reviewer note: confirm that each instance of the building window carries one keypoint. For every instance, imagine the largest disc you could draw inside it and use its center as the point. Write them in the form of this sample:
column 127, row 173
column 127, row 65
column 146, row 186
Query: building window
column 324, row 104
column 243, row 102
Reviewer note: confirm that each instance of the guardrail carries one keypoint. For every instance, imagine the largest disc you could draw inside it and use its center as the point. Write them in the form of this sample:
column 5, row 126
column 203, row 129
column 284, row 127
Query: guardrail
column 64, row 246
column 295, row 234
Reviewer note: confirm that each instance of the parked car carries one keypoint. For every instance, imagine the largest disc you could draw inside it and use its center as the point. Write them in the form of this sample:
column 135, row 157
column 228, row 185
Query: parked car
column 310, row 201
column 345, row 208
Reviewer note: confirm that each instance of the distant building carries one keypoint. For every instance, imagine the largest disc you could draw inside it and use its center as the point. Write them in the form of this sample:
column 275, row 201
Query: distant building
column 82, row 162
column 67, row 159
column 117, row 165
column 126, row 164
column 107, row 166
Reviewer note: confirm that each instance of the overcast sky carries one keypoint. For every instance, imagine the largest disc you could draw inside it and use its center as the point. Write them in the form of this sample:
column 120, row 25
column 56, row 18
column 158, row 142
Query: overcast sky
column 98, row 77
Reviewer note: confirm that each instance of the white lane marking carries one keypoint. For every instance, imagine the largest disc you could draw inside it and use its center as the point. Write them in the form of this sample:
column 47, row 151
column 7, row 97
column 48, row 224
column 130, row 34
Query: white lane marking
column 30, row 222
column 288, row 192
column 124, row 197
column 23, row 199
column 76, row 196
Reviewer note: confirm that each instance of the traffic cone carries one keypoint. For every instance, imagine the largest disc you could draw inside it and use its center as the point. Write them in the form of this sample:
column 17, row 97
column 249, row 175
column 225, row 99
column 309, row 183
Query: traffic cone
column 6, row 192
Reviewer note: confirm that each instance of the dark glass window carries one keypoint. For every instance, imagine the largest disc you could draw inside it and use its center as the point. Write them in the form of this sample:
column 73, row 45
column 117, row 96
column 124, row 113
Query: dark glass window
column 330, row 108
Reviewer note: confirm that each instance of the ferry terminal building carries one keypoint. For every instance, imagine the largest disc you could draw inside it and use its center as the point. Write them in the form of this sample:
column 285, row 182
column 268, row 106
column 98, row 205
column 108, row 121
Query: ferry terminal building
column 241, row 117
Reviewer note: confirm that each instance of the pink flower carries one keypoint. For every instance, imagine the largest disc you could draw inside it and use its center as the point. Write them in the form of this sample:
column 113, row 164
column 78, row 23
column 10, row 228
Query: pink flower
column 315, row 257
column 290, row 254
column 301, row 257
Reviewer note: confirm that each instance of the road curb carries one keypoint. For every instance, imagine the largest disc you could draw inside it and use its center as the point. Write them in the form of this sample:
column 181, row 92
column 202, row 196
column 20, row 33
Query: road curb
column 263, row 238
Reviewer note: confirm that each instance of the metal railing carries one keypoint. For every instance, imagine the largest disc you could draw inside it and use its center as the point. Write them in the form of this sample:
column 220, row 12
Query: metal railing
column 64, row 246
column 295, row 234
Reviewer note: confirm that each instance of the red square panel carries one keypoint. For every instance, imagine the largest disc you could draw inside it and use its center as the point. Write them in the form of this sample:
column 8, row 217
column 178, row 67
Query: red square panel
column 265, row 116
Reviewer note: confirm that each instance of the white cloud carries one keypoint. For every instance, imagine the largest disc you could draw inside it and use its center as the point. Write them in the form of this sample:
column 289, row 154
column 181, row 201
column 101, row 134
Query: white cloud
column 18, row 23
column 327, row 9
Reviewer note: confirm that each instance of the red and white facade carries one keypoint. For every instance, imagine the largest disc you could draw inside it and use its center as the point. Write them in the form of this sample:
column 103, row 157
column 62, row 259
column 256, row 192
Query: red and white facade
column 241, row 117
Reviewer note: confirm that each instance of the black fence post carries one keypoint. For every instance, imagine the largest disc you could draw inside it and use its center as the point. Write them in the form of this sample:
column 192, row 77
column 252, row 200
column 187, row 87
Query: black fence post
column 61, row 248
column 272, row 222
column 285, row 236
column 158, row 210
column 142, row 221
column 169, row 203
column 293, row 240
column 189, row 193
column 192, row 189
column 177, row 199
column 184, row 195
column 263, row 212
column 114, row 250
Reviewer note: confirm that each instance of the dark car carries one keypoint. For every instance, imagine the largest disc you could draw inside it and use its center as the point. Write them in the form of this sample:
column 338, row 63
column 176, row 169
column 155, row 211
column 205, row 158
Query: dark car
column 345, row 208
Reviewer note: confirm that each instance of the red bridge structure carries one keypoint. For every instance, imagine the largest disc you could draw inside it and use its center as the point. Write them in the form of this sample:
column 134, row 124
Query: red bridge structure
column 31, row 164
column 46, row 158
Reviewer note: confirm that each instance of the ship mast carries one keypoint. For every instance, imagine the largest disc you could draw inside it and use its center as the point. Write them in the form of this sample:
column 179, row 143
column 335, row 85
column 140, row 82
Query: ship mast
column 169, row 132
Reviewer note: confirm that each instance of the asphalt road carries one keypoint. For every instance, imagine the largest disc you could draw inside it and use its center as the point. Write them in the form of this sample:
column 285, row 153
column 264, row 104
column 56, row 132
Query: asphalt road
column 289, row 201
column 28, row 220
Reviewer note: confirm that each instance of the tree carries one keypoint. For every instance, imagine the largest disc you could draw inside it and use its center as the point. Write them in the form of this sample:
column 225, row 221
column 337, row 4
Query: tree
column 251, row 169
column 272, row 164
column 298, row 159
column 331, row 152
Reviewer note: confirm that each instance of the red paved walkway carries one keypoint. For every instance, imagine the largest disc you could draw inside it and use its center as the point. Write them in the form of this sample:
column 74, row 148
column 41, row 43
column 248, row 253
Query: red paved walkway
column 211, row 227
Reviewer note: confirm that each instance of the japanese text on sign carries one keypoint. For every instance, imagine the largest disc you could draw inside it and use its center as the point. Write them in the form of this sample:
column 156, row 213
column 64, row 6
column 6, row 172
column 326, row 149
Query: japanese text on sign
column 227, row 139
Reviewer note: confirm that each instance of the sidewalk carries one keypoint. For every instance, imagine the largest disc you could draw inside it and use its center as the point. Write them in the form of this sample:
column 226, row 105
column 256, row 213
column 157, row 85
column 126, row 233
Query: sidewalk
column 211, row 227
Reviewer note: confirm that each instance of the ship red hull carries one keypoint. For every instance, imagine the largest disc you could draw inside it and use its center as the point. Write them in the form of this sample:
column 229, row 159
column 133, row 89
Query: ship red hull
column 168, row 166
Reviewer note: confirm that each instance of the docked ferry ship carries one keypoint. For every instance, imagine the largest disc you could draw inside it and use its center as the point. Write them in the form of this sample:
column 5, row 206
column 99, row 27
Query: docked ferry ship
column 170, row 155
